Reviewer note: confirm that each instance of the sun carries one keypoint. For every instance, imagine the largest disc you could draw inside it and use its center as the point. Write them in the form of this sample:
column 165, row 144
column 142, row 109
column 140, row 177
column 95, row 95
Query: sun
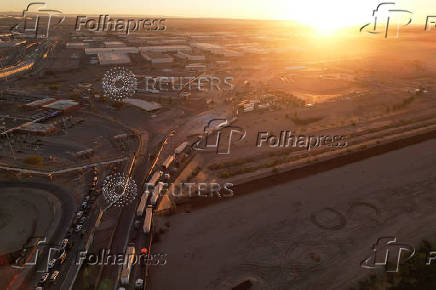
column 325, row 17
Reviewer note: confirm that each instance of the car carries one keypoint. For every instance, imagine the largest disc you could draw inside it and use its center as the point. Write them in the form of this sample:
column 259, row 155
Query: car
column 84, row 204
column 79, row 214
column 139, row 284
column 54, row 275
column 44, row 277
column 81, row 221
column 65, row 244
column 62, row 257
column 86, row 198
column 51, row 263
column 78, row 228
column 137, row 224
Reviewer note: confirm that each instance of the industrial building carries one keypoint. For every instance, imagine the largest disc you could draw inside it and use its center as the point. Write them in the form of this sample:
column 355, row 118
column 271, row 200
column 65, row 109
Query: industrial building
column 62, row 105
column 77, row 45
column 97, row 50
column 157, row 58
column 105, row 58
column 37, row 128
column 196, row 67
column 112, row 44
column 39, row 103
column 187, row 56
column 166, row 48
column 142, row 104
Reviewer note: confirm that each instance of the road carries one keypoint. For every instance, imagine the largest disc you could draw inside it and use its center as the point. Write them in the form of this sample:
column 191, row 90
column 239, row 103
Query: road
column 67, row 206
column 309, row 233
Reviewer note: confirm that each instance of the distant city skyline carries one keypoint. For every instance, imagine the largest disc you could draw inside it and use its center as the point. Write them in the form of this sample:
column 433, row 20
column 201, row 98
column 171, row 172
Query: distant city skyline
column 317, row 13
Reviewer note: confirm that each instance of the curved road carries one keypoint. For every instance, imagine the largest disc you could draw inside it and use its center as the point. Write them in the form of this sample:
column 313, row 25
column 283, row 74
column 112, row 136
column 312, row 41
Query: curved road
column 66, row 210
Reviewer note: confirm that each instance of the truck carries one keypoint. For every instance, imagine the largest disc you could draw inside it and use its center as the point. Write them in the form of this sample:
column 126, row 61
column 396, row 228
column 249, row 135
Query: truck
column 127, row 267
column 147, row 221
column 167, row 163
column 155, row 178
column 142, row 203
column 157, row 191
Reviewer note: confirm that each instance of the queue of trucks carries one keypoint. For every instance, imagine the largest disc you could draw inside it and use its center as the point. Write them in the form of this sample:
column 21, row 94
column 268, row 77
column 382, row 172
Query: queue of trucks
column 153, row 190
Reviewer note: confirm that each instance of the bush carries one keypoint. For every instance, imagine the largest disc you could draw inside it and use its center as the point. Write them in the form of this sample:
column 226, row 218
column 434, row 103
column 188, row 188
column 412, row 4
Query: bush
column 34, row 160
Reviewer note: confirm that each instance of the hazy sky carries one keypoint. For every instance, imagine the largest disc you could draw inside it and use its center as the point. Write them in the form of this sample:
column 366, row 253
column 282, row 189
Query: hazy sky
column 341, row 12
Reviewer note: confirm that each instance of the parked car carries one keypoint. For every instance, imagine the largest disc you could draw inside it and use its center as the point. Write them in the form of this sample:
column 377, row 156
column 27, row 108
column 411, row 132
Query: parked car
column 51, row 263
column 78, row 228
column 139, row 284
column 79, row 214
column 62, row 257
column 81, row 221
column 54, row 275
column 66, row 244
column 44, row 278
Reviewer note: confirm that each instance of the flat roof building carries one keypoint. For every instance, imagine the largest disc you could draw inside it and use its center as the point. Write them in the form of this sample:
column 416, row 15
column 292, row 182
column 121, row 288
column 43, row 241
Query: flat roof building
column 77, row 45
column 112, row 44
column 166, row 48
column 156, row 58
column 97, row 50
column 62, row 105
column 142, row 104
column 187, row 56
column 105, row 58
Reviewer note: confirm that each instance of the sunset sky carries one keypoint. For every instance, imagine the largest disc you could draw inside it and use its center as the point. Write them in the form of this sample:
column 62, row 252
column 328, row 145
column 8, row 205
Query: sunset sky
column 317, row 13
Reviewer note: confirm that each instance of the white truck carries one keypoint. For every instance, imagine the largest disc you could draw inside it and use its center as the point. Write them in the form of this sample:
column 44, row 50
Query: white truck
column 157, row 191
column 142, row 203
column 127, row 267
column 147, row 221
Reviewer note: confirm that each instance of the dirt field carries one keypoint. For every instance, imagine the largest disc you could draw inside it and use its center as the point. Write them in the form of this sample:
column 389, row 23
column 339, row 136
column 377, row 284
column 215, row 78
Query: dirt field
column 310, row 233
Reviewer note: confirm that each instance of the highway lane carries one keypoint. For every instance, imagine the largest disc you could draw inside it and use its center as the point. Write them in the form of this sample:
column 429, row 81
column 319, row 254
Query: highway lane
column 308, row 233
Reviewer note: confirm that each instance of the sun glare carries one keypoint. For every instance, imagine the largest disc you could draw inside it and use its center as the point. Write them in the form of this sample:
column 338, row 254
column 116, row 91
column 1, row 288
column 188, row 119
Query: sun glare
column 325, row 17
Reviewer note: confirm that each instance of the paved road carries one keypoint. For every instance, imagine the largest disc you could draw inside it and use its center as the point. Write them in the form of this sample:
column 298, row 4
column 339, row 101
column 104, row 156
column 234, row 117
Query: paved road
column 67, row 206
column 310, row 233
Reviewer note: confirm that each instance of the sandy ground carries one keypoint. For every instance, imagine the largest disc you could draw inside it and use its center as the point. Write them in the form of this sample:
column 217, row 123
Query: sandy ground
column 310, row 233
